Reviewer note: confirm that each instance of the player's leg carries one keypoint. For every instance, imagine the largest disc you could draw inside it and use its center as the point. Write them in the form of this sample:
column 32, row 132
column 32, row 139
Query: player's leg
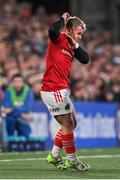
column 74, row 119
column 57, row 144
column 56, row 103
column 54, row 157
column 67, row 125
column 67, row 122
column 57, row 147
column 61, row 107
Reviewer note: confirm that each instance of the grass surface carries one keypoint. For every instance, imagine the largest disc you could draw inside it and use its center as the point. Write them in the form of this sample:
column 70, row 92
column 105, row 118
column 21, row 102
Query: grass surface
column 105, row 164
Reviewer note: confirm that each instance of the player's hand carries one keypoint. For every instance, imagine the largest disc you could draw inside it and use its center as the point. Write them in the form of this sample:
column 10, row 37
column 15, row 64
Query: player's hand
column 71, row 41
column 66, row 16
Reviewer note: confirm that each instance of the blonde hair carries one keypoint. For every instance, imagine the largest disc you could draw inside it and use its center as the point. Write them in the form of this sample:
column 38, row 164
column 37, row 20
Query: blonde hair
column 74, row 22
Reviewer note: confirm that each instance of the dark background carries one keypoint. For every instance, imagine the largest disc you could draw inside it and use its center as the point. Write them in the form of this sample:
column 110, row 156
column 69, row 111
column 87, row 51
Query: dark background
column 52, row 6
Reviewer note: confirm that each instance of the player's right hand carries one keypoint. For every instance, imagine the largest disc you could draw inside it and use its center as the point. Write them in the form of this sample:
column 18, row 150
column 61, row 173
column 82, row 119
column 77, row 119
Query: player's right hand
column 66, row 16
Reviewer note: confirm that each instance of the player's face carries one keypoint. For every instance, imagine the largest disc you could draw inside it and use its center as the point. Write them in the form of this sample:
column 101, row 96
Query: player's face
column 18, row 83
column 76, row 33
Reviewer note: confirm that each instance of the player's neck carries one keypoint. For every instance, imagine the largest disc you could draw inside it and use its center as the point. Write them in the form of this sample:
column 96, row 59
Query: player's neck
column 64, row 31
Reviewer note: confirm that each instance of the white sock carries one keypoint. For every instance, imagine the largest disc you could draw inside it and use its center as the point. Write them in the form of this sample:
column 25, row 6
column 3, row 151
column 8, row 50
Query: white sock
column 55, row 151
column 72, row 157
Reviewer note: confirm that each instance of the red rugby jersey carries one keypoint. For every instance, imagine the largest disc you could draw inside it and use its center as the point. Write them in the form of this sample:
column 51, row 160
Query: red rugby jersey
column 58, row 64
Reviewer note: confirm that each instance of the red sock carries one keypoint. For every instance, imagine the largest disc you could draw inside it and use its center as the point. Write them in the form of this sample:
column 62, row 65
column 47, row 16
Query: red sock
column 58, row 139
column 68, row 142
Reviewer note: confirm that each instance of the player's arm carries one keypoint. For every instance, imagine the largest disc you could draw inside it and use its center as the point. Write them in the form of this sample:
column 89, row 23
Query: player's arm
column 81, row 54
column 54, row 30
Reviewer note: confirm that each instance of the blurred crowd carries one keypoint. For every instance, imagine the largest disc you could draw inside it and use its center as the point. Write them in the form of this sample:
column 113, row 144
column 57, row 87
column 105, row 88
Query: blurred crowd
column 99, row 80
column 23, row 47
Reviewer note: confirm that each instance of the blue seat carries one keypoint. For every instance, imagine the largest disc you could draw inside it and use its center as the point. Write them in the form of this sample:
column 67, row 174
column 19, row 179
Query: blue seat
column 37, row 138
column 16, row 138
column 20, row 143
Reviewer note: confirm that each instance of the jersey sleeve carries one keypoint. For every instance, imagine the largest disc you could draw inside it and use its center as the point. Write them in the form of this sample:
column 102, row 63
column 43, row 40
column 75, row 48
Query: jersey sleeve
column 81, row 55
column 54, row 30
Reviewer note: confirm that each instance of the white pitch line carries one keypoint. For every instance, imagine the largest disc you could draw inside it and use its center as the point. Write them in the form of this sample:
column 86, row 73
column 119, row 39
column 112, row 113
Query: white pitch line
column 81, row 157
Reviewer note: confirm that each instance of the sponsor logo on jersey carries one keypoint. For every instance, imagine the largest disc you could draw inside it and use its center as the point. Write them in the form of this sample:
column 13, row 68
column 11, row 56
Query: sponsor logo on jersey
column 64, row 51
column 54, row 109
column 67, row 106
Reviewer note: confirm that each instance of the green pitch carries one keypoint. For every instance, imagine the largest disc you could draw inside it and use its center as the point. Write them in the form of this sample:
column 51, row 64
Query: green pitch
column 105, row 164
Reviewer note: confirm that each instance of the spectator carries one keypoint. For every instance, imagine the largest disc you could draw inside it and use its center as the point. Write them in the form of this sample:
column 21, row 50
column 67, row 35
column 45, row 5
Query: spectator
column 17, row 105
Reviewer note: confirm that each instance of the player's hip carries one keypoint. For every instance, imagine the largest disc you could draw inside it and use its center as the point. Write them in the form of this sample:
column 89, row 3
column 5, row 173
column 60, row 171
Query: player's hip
column 56, row 96
column 58, row 102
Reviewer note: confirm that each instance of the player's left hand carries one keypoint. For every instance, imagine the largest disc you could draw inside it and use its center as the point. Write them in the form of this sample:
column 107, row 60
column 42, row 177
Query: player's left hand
column 71, row 41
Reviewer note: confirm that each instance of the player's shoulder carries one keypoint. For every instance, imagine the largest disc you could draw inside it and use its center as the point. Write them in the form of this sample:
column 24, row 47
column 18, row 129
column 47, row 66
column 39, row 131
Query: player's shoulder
column 63, row 35
column 60, row 39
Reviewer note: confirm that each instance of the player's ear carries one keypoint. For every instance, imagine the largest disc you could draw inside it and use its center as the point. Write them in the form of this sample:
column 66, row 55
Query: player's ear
column 69, row 31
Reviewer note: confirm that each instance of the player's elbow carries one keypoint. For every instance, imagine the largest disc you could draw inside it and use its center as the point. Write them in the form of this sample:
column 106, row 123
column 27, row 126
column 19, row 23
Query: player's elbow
column 51, row 31
column 53, row 35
